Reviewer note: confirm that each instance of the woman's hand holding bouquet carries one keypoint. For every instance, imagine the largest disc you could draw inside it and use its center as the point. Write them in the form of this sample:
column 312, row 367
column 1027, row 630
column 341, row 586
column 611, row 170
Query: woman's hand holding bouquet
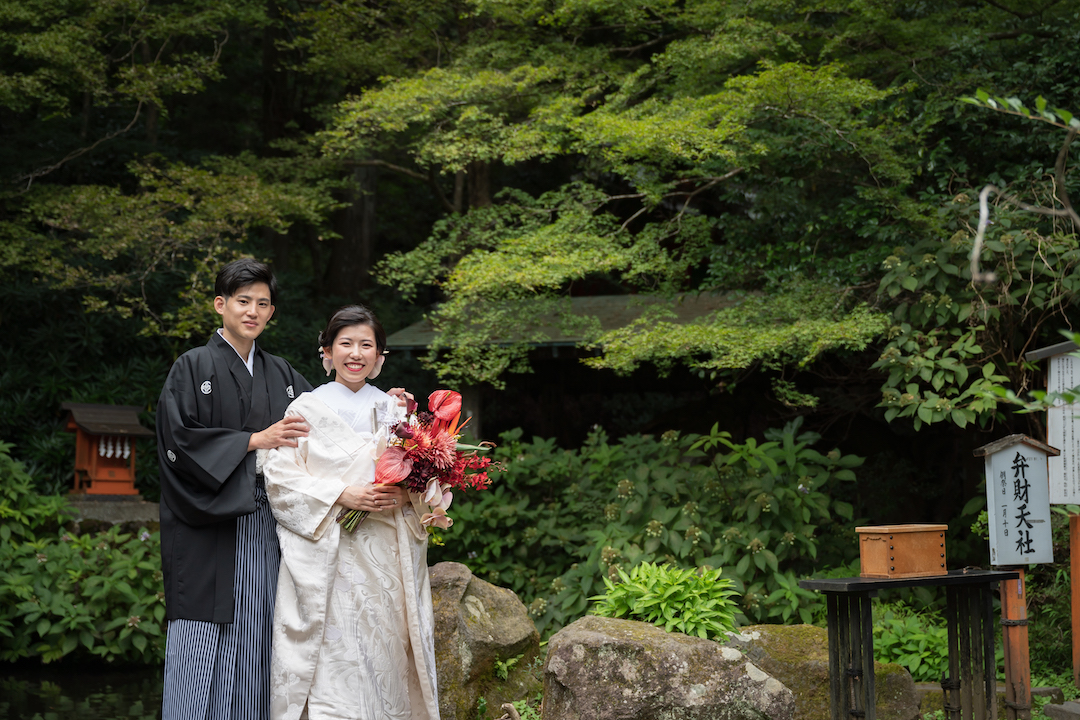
column 425, row 457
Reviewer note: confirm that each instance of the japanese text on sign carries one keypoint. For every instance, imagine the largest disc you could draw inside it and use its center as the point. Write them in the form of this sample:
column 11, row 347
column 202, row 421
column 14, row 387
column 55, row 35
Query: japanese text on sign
column 1018, row 506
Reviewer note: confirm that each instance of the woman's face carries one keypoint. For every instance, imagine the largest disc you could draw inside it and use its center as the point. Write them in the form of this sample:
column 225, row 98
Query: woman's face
column 354, row 354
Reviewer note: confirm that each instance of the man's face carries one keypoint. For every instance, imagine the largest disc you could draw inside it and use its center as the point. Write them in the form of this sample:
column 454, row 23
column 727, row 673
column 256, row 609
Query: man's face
column 245, row 313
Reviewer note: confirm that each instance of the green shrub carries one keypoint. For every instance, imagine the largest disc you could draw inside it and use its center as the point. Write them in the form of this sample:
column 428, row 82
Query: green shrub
column 94, row 594
column 916, row 641
column 526, row 711
column 691, row 602
column 62, row 594
column 22, row 511
column 557, row 522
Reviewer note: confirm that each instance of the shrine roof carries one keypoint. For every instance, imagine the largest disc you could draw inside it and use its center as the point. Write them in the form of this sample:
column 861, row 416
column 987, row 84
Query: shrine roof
column 1010, row 440
column 1051, row 350
column 107, row 419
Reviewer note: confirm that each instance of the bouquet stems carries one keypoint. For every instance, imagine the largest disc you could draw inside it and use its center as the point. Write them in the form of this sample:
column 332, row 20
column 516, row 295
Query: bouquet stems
column 351, row 519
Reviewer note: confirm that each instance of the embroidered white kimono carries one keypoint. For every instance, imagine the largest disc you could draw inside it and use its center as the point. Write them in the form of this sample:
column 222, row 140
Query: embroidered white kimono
column 353, row 628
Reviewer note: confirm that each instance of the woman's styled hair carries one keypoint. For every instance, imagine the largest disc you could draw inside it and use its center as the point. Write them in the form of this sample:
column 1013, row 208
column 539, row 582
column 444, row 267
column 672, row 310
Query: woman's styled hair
column 353, row 315
column 241, row 273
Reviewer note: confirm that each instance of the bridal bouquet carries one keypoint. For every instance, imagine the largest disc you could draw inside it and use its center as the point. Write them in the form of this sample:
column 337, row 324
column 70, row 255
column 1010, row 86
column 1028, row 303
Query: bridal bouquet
column 425, row 455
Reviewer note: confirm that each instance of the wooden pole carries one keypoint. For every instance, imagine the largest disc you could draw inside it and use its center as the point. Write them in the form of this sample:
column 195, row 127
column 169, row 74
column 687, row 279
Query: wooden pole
column 1074, row 573
column 1015, row 639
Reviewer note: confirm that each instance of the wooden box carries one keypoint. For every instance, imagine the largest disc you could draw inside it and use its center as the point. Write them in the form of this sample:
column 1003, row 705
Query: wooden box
column 902, row 551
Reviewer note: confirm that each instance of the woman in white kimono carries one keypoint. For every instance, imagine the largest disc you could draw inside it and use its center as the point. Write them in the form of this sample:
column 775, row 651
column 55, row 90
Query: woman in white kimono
column 353, row 629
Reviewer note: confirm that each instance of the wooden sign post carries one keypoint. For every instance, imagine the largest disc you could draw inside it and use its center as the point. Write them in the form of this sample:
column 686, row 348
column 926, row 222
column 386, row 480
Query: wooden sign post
column 1018, row 509
column 1063, row 431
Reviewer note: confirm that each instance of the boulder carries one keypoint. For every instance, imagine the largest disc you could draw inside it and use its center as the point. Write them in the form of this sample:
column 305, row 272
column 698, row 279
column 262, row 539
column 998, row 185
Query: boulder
column 1065, row 711
column 480, row 629
column 608, row 669
column 798, row 656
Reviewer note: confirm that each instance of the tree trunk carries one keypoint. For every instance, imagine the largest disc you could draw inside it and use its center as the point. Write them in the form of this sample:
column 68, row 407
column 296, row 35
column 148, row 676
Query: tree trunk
column 349, row 270
column 459, row 192
column 479, row 184
column 86, row 107
column 280, row 245
column 153, row 112
column 276, row 106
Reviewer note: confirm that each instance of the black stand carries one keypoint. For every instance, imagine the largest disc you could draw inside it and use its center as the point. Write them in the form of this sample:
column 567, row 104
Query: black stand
column 971, row 683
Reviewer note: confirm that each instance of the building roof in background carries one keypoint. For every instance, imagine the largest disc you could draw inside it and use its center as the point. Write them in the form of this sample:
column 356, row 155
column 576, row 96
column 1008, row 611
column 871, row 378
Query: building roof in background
column 613, row 311
column 107, row 419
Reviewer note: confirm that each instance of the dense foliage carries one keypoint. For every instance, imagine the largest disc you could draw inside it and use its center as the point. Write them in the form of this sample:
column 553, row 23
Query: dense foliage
column 91, row 595
column 917, row 642
column 558, row 521
column 499, row 158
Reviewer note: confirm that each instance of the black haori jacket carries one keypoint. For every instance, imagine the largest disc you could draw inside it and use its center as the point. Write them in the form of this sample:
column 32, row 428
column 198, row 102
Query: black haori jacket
column 208, row 409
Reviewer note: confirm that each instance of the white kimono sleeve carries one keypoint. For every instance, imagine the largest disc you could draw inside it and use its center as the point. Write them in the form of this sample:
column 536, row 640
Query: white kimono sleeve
column 302, row 498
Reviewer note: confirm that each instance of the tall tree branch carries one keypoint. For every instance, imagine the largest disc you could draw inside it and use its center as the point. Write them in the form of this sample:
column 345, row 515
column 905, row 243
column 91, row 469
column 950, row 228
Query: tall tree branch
column 30, row 177
column 430, row 177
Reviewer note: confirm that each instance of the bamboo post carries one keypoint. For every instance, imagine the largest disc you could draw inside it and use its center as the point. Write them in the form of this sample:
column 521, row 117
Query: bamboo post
column 1015, row 639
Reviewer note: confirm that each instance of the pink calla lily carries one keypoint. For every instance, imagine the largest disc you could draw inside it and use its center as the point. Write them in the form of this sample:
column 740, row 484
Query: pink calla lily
column 392, row 467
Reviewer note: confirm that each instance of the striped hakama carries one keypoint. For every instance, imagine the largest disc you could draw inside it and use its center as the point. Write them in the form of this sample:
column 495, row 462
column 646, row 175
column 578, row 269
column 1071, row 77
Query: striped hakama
column 222, row 672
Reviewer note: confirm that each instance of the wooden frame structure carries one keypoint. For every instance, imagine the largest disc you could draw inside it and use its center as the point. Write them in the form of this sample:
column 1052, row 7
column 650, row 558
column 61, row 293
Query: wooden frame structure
column 104, row 447
column 971, row 682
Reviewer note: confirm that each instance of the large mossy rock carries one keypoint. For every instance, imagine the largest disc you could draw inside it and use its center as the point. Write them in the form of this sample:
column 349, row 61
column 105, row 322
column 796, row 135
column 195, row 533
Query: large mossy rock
column 607, row 669
column 478, row 626
column 798, row 656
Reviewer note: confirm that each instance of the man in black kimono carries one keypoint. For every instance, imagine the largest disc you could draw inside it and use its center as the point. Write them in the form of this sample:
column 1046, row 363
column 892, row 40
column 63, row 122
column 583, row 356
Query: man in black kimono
column 220, row 404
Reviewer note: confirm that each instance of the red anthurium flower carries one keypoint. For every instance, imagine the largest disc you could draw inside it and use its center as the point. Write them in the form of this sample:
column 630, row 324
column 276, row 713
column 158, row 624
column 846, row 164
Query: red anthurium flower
column 444, row 404
column 392, row 467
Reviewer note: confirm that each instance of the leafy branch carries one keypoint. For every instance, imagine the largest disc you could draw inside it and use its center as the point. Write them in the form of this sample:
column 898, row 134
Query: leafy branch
column 1057, row 117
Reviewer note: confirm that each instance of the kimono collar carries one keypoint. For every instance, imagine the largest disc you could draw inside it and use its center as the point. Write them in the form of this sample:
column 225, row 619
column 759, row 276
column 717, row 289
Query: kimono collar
column 249, row 360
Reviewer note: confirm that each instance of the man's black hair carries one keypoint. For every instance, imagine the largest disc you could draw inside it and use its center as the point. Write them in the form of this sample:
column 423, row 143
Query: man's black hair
column 241, row 273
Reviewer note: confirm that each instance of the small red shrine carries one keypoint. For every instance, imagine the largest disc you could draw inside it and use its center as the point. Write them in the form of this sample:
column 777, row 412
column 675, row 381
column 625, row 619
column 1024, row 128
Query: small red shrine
column 104, row 447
